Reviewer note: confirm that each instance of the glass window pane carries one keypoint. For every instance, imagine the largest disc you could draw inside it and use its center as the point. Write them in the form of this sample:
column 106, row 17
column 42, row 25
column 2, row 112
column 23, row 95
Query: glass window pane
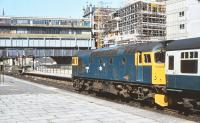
column 182, row 55
column 186, row 54
column 160, row 57
column 147, row 58
column 171, row 63
column 196, row 55
column 140, row 58
column 191, row 54
column 189, row 66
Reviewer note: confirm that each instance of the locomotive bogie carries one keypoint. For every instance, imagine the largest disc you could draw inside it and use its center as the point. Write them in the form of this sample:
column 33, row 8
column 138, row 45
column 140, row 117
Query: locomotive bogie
column 125, row 90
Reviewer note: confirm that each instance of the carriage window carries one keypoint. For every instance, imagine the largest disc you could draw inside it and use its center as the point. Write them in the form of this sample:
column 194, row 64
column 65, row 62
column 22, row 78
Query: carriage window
column 160, row 57
column 171, row 63
column 186, row 54
column 147, row 58
column 191, row 54
column 195, row 54
column 189, row 66
column 189, row 63
column 182, row 55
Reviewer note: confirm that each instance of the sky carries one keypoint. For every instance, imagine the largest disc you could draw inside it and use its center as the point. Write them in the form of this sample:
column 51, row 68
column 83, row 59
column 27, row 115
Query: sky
column 51, row 8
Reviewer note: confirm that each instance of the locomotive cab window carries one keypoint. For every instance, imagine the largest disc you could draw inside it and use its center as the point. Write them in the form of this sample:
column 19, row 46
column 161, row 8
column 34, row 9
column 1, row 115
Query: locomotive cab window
column 160, row 57
column 189, row 62
column 74, row 61
column 140, row 58
column 147, row 58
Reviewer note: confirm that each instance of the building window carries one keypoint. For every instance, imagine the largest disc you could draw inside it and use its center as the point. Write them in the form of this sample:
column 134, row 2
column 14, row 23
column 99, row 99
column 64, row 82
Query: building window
column 171, row 63
column 189, row 62
column 182, row 26
column 181, row 14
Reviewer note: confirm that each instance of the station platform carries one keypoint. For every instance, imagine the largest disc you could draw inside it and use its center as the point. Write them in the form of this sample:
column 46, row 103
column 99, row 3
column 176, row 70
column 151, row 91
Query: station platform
column 25, row 102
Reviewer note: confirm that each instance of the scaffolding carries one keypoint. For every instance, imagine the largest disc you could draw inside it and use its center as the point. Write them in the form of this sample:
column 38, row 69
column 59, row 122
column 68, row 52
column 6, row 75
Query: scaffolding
column 99, row 16
column 145, row 20
column 102, row 17
column 99, row 28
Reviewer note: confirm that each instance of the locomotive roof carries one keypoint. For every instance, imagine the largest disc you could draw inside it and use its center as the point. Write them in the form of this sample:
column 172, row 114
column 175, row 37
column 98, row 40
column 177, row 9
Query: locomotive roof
column 143, row 47
column 184, row 44
column 84, row 52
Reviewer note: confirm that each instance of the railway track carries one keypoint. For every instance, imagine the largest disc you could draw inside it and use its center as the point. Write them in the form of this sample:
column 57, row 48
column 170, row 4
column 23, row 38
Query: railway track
column 68, row 85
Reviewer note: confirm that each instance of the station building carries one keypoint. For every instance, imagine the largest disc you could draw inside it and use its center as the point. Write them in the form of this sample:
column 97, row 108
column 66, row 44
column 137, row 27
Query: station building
column 43, row 37
column 62, row 36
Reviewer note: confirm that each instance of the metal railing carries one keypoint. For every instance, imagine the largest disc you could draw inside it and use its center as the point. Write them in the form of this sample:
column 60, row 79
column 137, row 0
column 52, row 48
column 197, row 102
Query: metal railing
column 55, row 69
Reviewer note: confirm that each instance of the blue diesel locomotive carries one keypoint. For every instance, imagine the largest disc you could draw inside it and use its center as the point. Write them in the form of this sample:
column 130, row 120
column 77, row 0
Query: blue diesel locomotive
column 166, row 73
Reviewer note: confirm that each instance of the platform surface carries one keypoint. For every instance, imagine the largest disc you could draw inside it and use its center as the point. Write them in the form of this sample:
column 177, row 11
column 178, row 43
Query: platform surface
column 25, row 102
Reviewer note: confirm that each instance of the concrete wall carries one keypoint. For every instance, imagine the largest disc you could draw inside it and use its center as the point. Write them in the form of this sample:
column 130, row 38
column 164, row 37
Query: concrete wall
column 191, row 19
column 194, row 18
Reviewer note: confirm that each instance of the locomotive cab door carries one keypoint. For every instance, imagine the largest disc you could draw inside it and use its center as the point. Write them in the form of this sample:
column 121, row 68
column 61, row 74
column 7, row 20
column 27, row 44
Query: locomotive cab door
column 158, row 68
column 139, row 66
column 74, row 66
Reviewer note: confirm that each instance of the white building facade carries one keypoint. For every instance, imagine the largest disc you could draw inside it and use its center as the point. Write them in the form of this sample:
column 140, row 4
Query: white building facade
column 183, row 19
column 128, row 2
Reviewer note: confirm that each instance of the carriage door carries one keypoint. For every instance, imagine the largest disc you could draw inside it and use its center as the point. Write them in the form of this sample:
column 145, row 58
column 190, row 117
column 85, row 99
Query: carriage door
column 139, row 67
column 171, row 67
